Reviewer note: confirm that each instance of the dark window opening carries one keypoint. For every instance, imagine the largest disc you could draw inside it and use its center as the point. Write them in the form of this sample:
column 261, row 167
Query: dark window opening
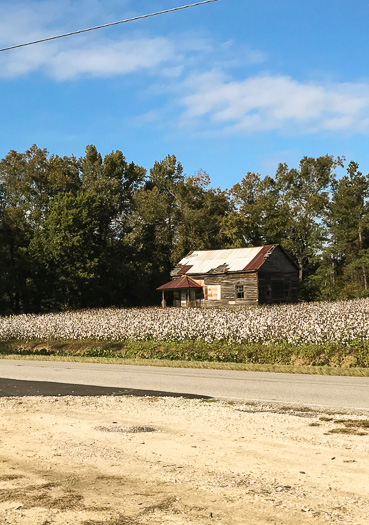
column 240, row 294
column 277, row 290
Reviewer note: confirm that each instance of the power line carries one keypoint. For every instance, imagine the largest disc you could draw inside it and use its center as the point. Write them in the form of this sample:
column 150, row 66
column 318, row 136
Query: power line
column 108, row 25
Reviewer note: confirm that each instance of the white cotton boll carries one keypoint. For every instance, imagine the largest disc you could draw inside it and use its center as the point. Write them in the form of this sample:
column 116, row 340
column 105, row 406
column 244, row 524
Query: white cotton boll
column 302, row 323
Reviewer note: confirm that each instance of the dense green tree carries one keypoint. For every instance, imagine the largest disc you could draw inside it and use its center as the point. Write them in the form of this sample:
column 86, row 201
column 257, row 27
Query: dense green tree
column 114, row 182
column 29, row 183
column 303, row 203
column 154, row 222
column 201, row 211
column 166, row 175
column 149, row 241
column 255, row 217
column 79, row 250
column 68, row 248
column 348, row 222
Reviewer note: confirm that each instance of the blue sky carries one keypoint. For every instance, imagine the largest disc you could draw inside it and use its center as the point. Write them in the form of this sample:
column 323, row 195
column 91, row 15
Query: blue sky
column 228, row 87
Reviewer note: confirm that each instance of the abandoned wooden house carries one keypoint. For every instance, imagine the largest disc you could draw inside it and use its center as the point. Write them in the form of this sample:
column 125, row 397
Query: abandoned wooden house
column 236, row 277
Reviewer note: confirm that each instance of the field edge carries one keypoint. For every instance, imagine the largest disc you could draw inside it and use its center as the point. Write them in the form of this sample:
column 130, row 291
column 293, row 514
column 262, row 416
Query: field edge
column 325, row 359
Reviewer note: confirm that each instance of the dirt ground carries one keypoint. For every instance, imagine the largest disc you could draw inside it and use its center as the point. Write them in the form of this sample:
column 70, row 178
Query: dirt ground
column 173, row 461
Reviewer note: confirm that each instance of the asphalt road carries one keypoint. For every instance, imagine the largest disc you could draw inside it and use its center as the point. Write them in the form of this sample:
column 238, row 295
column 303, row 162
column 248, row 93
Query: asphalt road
column 63, row 378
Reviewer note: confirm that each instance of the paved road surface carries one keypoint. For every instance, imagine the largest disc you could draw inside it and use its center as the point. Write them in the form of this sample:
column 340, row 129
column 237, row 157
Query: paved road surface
column 311, row 390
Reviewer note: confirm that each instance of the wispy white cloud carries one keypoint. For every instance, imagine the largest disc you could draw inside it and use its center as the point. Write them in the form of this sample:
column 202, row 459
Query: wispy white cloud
column 220, row 104
column 103, row 53
column 92, row 54
column 24, row 21
column 109, row 58
column 212, row 87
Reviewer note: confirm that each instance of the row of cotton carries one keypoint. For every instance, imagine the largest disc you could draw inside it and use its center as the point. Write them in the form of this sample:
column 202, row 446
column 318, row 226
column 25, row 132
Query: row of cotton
column 342, row 322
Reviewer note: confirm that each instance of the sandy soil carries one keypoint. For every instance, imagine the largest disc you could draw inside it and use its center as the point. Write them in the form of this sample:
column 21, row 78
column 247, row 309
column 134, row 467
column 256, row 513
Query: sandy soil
column 129, row 460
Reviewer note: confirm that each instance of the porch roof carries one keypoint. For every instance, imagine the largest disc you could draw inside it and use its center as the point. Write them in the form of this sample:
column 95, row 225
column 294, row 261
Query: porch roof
column 183, row 283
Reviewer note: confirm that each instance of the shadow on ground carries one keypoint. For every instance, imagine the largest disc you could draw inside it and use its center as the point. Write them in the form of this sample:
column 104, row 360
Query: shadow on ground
column 20, row 388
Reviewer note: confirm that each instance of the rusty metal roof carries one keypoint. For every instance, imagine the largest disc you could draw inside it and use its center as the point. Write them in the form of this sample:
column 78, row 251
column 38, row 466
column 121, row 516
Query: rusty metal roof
column 181, row 283
column 233, row 260
column 259, row 259
column 184, row 269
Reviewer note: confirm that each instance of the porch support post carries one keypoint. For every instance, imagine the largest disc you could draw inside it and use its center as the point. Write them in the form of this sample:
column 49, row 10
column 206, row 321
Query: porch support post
column 163, row 302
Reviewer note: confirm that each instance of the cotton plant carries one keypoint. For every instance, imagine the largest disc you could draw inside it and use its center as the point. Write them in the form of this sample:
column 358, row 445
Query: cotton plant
column 322, row 322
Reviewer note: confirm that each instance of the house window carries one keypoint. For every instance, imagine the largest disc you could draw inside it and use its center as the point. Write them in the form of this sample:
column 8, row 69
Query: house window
column 240, row 294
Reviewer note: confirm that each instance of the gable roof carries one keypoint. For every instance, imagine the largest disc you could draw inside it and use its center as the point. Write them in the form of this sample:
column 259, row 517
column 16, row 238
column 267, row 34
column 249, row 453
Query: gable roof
column 232, row 260
column 182, row 283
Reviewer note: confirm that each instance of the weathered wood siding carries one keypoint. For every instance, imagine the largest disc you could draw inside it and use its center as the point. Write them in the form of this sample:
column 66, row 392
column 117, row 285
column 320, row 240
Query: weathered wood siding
column 278, row 279
column 277, row 262
column 228, row 283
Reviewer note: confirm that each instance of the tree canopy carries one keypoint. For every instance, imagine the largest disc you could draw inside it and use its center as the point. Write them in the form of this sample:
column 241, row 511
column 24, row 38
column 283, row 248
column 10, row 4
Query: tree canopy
column 99, row 231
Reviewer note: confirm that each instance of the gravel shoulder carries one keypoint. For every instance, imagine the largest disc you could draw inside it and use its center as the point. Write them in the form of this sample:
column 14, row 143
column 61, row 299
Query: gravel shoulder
column 173, row 461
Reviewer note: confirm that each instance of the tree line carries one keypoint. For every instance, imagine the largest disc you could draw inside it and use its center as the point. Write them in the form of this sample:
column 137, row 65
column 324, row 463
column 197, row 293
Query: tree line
column 95, row 232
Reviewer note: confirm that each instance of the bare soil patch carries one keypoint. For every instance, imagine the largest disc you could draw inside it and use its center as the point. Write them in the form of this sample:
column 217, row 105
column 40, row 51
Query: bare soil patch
column 174, row 461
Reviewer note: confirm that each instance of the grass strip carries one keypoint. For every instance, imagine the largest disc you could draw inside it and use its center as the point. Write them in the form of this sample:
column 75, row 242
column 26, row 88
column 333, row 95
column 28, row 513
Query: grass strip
column 326, row 359
column 248, row 367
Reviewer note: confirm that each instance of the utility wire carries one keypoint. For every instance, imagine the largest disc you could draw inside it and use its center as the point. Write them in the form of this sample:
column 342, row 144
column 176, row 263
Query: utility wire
column 108, row 25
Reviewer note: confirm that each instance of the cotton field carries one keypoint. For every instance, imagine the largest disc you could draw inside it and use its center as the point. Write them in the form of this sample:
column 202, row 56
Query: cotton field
column 303, row 323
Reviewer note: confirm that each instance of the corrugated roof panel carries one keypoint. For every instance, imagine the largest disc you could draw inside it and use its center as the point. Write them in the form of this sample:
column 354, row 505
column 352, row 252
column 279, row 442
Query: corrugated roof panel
column 259, row 259
column 237, row 259
column 183, row 270
column 182, row 283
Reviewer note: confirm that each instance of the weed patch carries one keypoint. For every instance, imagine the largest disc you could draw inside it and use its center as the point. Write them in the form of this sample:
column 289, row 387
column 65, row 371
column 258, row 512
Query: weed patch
column 322, row 359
